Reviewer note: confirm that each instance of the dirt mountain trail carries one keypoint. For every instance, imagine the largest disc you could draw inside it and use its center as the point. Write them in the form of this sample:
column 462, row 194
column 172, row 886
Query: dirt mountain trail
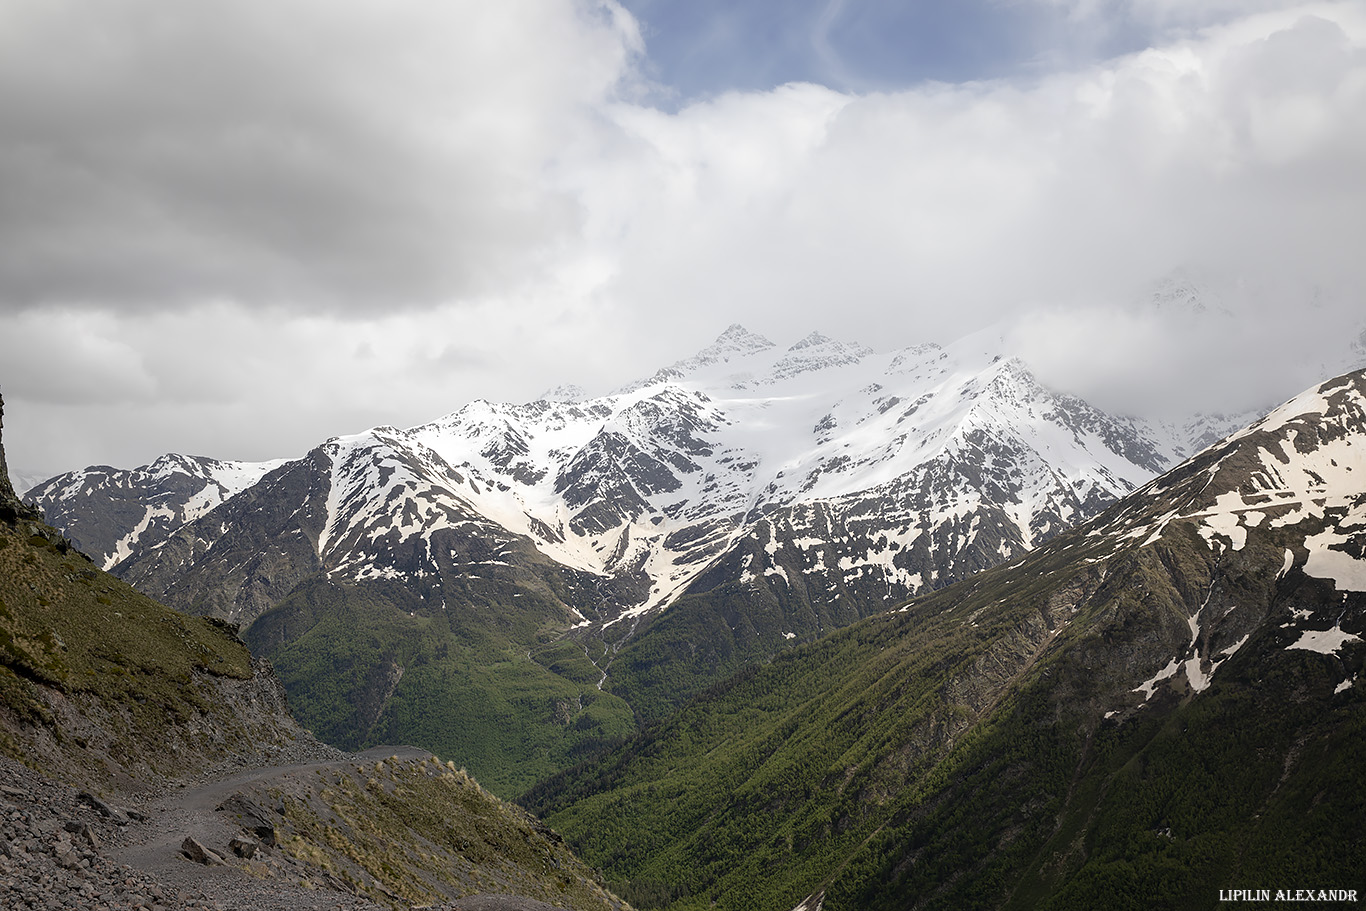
column 270, row 880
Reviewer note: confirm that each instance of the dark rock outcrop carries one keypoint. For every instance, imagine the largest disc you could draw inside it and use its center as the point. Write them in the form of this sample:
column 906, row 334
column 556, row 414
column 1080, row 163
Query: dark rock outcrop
column 6, row 491
column 11, row 507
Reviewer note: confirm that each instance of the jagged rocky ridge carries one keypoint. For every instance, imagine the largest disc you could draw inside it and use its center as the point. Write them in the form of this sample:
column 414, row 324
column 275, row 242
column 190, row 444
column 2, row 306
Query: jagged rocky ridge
column 11, row 507
column 906, row 469
column 1159, row 704
column 138, row 509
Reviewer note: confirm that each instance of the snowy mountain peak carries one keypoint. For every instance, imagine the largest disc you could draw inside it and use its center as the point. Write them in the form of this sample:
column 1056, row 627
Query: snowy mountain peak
column 908, row 360
column 735, row 343
column 564, row 392
column 140, row 507
column 815, row 352
column 169, row 463
column 811, row 341
column 738, row 338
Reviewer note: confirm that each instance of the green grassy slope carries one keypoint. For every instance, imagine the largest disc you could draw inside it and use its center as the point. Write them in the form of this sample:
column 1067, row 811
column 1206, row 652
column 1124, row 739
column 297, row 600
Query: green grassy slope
column 102, row 685
column 414, row 832
column 1253, row 783
column 477, row 674
column 958, row 754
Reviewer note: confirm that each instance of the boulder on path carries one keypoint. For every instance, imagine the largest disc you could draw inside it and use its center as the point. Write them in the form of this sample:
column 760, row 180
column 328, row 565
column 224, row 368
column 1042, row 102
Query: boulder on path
column 195, row 850
column 253, row 817
column 244, row 848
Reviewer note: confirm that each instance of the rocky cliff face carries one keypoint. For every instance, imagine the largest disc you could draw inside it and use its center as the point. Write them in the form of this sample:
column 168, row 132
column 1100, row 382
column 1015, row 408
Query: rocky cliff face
column 11, row 507
column 6, row 491
column 102, row 686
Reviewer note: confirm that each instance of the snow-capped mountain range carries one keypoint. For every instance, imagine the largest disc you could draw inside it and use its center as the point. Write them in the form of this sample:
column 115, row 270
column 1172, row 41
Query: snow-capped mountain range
column 138, row 509
column 905, row 469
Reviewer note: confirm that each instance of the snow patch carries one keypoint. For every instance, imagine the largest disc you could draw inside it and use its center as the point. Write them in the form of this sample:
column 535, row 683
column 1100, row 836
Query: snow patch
column 1195, row 676
column 1345, row 571
column 1149, row 686
column 1289, row 563
column 1325, row 641
column 1232, row 649
column 123, row 548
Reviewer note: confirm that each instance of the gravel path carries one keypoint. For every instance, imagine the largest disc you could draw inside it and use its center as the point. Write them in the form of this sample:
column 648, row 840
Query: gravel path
column 64, row 849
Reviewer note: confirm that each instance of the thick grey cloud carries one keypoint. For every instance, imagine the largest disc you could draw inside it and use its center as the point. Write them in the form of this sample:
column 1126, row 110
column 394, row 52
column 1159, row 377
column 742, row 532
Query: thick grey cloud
column 338, row 155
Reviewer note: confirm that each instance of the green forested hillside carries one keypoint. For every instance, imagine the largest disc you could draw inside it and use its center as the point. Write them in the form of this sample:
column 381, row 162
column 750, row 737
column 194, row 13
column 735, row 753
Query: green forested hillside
column 766, row 595
column 480, row 676
column 985, row 747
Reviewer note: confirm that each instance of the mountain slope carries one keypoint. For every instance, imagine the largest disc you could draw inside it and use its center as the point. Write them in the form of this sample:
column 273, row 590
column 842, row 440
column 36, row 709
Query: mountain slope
column 103, row 686
column 1155, row 706
column 991, row 480
column 389, row 607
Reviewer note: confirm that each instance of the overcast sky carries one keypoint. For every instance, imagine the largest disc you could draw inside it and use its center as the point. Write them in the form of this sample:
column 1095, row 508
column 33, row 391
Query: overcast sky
column 238, row 227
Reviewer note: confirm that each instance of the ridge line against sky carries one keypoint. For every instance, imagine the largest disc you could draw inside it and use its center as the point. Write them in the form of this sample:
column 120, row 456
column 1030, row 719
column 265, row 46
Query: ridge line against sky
column 239, row 228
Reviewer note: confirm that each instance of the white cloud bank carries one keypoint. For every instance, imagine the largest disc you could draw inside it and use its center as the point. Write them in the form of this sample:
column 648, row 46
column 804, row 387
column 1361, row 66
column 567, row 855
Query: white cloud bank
column 242, row 227
column 944, row 205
